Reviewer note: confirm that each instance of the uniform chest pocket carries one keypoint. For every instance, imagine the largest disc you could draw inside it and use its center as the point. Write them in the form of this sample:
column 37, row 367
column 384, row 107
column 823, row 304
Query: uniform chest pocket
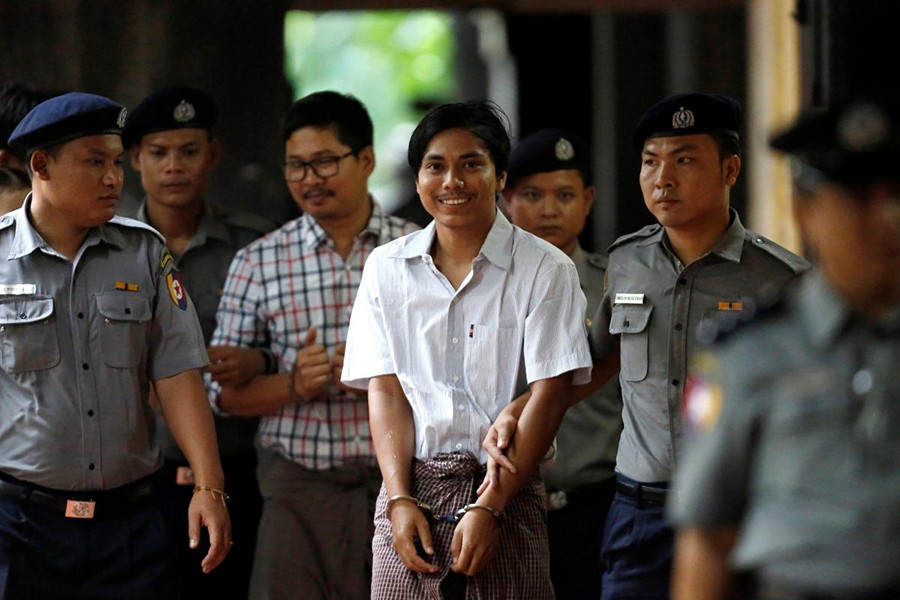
column 631, row 324
column 124, row 324
column 28, row 338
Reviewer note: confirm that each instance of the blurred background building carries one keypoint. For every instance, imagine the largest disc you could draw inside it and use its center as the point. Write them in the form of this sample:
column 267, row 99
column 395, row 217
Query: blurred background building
column 592, row 66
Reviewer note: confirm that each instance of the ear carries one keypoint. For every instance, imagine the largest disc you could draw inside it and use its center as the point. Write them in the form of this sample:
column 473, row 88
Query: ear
column 732, row 169
column 590, row 193
column 501, row 181
column 134, row 154
column 38, row 162
column 366, row 157
column 214, row 153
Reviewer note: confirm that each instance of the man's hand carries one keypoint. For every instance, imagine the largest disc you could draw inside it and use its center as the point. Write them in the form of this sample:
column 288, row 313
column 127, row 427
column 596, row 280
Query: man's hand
column 408, row 524
column 208, row 510
column 475, row 542
column 234, row 366
column 314, row 370
column 496, row 442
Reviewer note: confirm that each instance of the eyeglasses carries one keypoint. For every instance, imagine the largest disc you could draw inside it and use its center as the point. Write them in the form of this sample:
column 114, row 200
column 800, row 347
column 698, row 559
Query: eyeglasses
column 324, row 167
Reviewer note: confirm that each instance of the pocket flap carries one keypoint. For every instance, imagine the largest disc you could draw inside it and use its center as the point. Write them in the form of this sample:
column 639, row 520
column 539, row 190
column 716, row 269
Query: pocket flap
column 22, row 310
column 629, row 319
column 121, row 306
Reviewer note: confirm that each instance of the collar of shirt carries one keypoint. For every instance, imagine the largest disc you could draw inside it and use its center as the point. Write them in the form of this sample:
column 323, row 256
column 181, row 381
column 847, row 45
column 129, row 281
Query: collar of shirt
column 313, row 235
column 497, row 247
column 27, row 239
column 730, row 246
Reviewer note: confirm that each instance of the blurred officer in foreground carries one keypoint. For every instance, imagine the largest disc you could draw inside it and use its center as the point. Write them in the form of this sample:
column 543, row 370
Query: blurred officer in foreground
column 795, row 478
column 92, row 311
column 171, row 143
column 16, row 101
column 549, row 193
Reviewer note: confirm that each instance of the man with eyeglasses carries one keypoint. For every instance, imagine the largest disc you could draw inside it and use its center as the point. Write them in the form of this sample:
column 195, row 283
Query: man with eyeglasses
column 292, row 291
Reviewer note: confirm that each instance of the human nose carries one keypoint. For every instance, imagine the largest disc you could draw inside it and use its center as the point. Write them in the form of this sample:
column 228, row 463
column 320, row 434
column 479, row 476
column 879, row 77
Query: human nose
column 665, row 175
column 114, row 176
column 453, row 180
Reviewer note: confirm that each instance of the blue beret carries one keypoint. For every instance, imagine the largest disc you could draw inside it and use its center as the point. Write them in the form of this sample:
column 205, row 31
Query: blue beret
column 65, row 118
column 173, row 107
column 687, row 114
column 549, row 150
column 853, row 142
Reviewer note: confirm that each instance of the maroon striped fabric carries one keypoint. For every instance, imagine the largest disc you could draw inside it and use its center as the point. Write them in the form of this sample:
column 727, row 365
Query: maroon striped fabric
column 521, row 568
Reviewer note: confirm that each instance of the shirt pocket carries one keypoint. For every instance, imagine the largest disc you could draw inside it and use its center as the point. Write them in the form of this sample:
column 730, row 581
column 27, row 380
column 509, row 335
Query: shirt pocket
column 631, row 324
column 28, row 338
column 124, row 326
column 485, row 372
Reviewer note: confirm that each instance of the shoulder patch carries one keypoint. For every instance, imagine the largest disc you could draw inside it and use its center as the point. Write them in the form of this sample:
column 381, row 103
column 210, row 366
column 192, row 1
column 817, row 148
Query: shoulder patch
column 640, row 234
column 796, row 263
column 135, row 224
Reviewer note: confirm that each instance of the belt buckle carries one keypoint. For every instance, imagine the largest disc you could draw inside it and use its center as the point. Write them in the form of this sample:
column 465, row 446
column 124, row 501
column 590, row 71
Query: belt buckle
column 80, row 509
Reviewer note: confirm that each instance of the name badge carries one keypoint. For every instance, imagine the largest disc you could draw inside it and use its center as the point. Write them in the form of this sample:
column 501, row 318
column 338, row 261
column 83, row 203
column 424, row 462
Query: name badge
column 17, row 289
column 629, row 299
column 80, row 509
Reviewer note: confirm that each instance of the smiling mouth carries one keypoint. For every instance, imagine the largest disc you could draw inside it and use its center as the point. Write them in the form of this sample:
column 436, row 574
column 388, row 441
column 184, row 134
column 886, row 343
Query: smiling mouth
column 454, row 201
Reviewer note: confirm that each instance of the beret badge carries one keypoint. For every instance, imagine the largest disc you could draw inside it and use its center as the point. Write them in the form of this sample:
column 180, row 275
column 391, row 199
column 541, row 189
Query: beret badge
column 564, row 150
column 120, row 121
column 682, row 119
column 863, row 127
column 184, row 112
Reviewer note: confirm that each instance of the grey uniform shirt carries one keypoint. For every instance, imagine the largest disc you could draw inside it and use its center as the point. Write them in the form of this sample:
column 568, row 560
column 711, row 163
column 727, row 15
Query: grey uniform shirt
column 589, row 434
column 805, row 456
column 204, row 266
column 655, row 305
column 79, row 343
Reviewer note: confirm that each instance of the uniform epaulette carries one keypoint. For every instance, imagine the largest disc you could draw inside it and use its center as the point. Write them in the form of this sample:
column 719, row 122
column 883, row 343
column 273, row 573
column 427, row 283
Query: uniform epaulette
column 797, row 264
column 134, row 223
column 645, row 232
column 233, row 217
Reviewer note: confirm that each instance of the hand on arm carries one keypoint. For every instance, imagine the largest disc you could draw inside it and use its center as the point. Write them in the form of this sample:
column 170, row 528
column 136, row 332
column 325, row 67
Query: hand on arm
column 502, row 431
column 393, row 435
column 265, row 394
column 477, row 533
column 701, row 569
column 235, row 366
column 182, row 398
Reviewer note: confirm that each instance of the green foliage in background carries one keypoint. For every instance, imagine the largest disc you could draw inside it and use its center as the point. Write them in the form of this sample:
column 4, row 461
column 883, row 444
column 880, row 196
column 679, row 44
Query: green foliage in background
column 395, row 62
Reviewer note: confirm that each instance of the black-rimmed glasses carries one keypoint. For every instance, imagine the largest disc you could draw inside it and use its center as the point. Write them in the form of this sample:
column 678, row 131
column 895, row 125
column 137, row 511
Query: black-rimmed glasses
column 323, row 167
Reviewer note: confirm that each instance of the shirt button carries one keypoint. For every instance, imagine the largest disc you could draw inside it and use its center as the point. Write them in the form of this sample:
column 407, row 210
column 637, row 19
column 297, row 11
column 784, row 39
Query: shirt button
column 461, row 407
column 91, row 413
column 455, row 340
column 677, row 326
column 459, row 445
column 675, row 382
column 81, row 315
column 85, row 366
column 91, row 466
column 455, row 299
column 682, row 281
column 455, row 378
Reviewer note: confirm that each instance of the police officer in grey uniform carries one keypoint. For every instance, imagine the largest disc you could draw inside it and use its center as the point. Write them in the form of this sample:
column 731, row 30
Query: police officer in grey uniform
column 170, row 139
column 663, row 282
column 549, row 193
column 793, row 477
column 92, row 311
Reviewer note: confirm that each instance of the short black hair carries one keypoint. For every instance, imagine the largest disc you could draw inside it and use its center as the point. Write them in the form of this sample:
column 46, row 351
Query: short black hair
column 328, row 109
column 728, row 146
column 483, row 118
column 13, row 179
column 16, row 101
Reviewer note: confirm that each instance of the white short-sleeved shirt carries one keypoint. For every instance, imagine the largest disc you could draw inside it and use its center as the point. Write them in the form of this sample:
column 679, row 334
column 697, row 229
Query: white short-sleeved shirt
column 463, row 354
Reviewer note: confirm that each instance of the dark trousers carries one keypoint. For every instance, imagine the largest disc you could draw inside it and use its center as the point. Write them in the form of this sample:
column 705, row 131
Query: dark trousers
column 637, row 551
column 576, row 536
column 231, row 579
column 46, row 556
